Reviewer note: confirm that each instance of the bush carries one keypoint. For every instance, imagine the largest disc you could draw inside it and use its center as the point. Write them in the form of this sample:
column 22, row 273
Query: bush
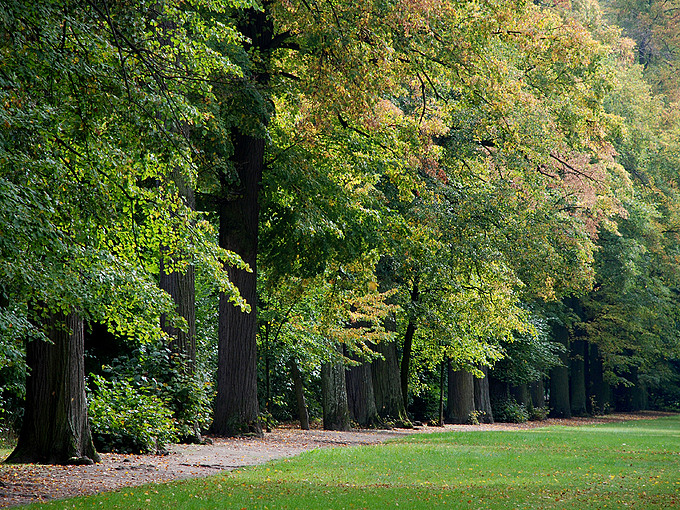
column 538, row 413
column 507, row 410
column 125, row 419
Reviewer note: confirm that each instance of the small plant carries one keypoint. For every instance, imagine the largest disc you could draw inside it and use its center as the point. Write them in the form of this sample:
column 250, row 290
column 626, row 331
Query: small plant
column 507, row 410
column 474, row 416
column 127, row 420
column 598, row 410
column 538, row 413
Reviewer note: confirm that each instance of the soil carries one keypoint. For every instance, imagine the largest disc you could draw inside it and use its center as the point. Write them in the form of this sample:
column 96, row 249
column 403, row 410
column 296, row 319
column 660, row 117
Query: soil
column 28, row 483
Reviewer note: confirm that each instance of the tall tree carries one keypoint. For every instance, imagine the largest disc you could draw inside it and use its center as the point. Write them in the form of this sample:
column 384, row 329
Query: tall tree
column 81, row 144
column 55, row 428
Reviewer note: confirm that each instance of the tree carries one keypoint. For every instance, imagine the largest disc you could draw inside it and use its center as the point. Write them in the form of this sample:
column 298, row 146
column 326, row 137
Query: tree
column 81, row 144
column 55, row 427
column 460, row 403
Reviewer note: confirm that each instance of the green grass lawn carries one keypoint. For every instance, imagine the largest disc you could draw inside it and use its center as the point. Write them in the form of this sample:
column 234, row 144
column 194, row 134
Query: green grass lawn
column 626, row 465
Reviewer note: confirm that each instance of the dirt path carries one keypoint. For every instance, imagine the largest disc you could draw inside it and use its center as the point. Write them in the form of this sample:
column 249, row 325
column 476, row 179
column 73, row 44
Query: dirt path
column 24, row 484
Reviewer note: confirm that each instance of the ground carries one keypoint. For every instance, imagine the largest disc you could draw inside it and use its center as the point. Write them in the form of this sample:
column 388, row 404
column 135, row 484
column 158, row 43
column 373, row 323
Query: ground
column 21, row 484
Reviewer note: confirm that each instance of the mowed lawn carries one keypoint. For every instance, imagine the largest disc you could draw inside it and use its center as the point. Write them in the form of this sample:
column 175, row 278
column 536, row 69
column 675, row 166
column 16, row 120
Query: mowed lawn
column 625, row 465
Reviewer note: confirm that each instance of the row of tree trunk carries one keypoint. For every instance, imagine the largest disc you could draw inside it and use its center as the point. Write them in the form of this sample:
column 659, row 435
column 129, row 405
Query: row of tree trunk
column 370, row 394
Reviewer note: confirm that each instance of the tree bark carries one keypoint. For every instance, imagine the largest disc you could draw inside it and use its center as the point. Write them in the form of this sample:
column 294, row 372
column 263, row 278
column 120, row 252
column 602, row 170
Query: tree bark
column 559, row 378
column 482, row 396
column 55, row 429
column 406, row 361
column 303, row 414
column 408, row 347
column 537, row 391
column 600, row 394
column 182, row 289
column 236, row 405
column 442, row 372
column 498, row 390
column 334, row 397
column 461, row 396
column 520, row 393
column 360, row 395
column 577, row 379
column 387, row 385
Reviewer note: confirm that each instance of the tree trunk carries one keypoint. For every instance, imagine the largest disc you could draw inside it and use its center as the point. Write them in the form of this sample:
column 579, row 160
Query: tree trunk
column 498, row 390
column 559, row 378
column 637, row 394
column 442, row 372
column 387, row 385
column 303, row 414
column 236, row 406
column 600, row 394
column 577, row 379
column 483, row 397
column 520, row 393
column 408, row 347
column 461, row 396
column 406, row 361
column 55, row 429
column 182, row 289
column 360, row 396
column 537, row 391
column 334, row 397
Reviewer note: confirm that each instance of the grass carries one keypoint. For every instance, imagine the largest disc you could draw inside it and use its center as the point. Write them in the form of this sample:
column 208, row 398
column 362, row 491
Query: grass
column 625, row 465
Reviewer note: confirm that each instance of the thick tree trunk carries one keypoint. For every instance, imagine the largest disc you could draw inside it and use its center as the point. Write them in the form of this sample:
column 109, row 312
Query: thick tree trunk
column 387, row 385
column 406, row 361
column 182, row 289
column 483, row 397
column 498, row 390
column 334, row 397
column 236, row 406
column 442, row 372
column 537, row 391
column 636, row 395
column 303, row 414
column 461, row 396
column 360, row 396
column 520, row 393
column 577, row 379
column 559, row 378
column 55, row 429
column 600, row 394
column 408, row 347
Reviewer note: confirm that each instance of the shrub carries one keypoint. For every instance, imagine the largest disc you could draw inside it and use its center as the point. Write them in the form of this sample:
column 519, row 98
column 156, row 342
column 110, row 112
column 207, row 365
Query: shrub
column 125, row 419
column 538, row 413
column 507, row 410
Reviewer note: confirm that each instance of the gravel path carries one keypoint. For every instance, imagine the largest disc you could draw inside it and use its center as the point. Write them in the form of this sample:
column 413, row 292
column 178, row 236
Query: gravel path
column 21, row 484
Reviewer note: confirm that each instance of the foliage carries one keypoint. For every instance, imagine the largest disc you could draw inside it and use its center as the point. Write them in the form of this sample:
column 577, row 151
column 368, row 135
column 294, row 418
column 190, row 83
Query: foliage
column 507, row 410
column 12, row 370
column 127, row 419
column 537, row 413
column 153, row 369
column 528, row 357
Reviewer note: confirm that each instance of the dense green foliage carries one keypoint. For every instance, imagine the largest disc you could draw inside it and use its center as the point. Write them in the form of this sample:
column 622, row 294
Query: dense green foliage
column 126, row 420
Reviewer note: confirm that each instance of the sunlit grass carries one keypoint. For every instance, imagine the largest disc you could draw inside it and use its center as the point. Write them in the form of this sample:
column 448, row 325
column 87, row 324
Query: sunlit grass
column 628, row 465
